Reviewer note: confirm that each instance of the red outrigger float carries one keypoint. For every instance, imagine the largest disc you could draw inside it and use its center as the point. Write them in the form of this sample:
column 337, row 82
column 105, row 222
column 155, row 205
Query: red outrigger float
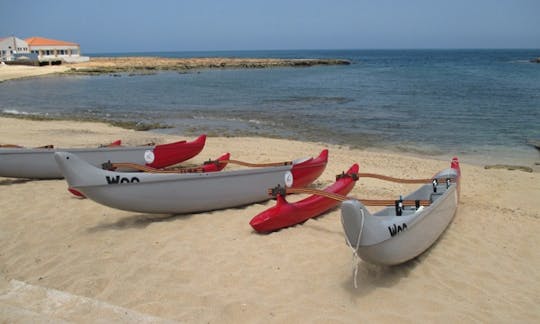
column 39, row 162
column 170, row 154
column 285, row 214
column 306, row 171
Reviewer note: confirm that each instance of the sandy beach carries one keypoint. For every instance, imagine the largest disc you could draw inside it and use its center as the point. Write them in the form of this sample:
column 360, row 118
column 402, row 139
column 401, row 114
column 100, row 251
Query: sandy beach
column 8, row 72
column 72, row 260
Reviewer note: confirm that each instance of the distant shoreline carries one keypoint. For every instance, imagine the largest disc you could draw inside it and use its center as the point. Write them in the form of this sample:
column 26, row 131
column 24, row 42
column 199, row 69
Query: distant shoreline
column 99, row 65
column 147, row 65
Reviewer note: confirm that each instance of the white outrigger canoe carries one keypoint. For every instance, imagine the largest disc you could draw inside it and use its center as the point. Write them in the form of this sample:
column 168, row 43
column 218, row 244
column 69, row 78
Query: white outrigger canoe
column 179, row 193
column 39, row 163
column 397, row 234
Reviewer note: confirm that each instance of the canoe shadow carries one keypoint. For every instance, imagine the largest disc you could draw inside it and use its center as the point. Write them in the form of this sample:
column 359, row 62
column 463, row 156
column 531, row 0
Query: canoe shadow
column 143, row 220
column 9, row 182
column 371, row 277
column 136, row 221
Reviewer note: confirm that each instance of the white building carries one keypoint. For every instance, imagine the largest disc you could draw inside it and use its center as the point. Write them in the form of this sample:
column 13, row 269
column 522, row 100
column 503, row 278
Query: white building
column 40, row 50
column 11, row 46
column 52, row 50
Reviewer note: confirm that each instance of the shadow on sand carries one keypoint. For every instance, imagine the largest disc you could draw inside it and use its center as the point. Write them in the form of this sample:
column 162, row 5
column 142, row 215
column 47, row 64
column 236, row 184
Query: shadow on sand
column 9, row 182
column 371, row 276
column 136, row 221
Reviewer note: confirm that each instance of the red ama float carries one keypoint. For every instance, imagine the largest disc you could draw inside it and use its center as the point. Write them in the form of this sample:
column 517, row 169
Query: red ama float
column 285, row 214
column 165, row 155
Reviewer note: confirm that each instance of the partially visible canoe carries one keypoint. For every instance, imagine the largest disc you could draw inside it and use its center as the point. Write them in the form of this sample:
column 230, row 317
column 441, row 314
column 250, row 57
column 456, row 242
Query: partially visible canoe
column 388, row 239
column 174, row 193
column 285, row 214
column 39, row 163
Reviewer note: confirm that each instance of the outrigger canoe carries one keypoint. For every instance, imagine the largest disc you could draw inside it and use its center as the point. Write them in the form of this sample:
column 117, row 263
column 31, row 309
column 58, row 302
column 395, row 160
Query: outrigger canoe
column 179, row 193
column 285, row 214
column 400, row 233
column 209, row 166
column 39, row 163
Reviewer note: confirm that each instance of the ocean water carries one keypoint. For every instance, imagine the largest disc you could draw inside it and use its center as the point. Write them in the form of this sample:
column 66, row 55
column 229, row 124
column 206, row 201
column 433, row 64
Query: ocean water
column 481, row 105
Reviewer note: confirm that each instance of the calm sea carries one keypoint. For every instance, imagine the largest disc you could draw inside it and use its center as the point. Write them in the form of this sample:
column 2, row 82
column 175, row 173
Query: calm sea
column 482, row 105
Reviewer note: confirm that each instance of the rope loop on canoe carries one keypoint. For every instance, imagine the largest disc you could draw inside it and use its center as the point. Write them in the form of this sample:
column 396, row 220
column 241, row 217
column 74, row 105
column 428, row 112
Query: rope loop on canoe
column 355, row 257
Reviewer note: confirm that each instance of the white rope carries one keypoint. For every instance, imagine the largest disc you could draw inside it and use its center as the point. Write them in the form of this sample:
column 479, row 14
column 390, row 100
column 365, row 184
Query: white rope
column 355, row 257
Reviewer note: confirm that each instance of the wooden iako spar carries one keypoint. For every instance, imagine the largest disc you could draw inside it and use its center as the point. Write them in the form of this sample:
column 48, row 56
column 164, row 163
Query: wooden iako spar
column 368, row 202
column 341, row 198
column 218, row 162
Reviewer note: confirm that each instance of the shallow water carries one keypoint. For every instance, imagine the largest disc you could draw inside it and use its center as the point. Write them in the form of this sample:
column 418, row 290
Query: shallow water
column 482, row 105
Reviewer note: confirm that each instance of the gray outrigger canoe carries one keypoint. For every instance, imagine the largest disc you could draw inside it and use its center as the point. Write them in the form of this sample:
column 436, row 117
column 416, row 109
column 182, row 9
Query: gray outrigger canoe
column 39, row 163
column 174, row 193
column 388, row 239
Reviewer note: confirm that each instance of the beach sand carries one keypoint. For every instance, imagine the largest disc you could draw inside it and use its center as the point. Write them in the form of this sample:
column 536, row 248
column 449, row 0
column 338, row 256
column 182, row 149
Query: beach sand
column 8, row 72
column 69, row 259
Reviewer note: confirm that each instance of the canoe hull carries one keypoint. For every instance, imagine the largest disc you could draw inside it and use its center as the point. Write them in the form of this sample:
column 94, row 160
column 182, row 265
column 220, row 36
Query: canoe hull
column 40, row 163
column 387, row 239
column 407, row 243
column 170, row 193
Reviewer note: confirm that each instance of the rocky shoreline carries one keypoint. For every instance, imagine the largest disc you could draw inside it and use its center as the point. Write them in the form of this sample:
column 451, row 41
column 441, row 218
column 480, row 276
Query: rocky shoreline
column 99, row 65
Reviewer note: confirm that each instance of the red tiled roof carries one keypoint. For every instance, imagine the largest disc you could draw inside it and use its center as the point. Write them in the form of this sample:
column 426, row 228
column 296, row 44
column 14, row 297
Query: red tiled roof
column 40, row 41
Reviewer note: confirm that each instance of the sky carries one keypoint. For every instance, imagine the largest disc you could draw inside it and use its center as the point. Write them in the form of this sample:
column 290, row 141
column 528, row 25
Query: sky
column 116, row 26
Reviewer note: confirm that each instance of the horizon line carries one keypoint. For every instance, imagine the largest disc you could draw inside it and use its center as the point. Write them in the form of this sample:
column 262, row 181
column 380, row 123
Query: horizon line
column 323, row 49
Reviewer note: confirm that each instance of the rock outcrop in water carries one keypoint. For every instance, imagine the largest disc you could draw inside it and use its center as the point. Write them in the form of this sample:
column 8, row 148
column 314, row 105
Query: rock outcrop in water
column 536, row 60
column 99, row 65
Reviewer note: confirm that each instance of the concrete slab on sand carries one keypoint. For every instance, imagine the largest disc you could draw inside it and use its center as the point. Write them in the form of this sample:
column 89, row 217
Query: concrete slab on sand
column 23, row 302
